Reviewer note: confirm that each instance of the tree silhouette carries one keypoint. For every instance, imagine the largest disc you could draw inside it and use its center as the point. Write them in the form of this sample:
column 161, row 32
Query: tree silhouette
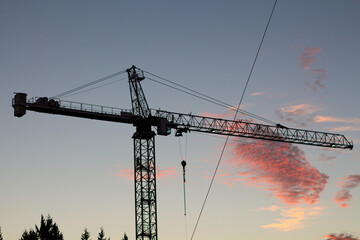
column 48, row 230
column 125, row 237
column 1, row 238
column 102, row 235
column 31, row 235
column 85, row 235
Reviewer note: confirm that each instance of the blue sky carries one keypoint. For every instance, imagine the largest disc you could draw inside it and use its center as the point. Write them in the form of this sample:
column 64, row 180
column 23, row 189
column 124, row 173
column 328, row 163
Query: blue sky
column 306, row 76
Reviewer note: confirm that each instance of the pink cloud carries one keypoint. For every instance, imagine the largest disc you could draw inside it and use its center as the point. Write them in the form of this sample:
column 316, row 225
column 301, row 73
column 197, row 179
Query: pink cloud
column 301, row 109
column 125, row 173
column 345, row 128
column 324, row 158
column 280, row 168
column 168, row 173
column 320, row 76
column 257, row 93
column 229, row 114
column 341, row 236
column 346, row 184
column 298, row 114
column 320, row 118
column 308, row 57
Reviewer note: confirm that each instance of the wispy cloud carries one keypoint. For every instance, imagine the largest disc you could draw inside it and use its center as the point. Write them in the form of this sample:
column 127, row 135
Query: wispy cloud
column 320, row 118
column 340, row 236
column 325, row 158
column 272, row 208
column 257, row 93
column 307, row 59
column 300, row 109
column 346, row 184
column 168, row 173
column 293, row 218
column 280, row 168
column 345, row 129
column 228, row 114
column 299, row 114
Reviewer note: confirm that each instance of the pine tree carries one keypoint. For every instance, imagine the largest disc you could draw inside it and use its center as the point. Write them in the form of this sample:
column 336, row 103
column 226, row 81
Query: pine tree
column 48, row 230
column 101, row 234
column 85, row 235
column 31, row 235
column 1, row 238
column 125, row 237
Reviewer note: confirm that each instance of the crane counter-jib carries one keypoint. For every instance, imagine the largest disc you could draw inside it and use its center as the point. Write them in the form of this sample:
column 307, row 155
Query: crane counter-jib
column 69, row 108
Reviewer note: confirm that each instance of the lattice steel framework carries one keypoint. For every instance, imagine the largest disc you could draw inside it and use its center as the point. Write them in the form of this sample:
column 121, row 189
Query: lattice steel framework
column 138, row 100
column 144, row 160
column 145, row 185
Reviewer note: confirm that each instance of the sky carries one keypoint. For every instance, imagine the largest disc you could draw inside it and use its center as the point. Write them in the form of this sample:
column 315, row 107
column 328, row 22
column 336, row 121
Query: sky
column 79, row 170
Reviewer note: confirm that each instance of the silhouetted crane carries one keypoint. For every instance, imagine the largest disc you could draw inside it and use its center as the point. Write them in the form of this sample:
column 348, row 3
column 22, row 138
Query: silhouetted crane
column 146, row 119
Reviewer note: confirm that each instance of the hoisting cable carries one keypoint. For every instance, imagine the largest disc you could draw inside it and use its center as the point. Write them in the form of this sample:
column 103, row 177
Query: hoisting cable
column 212, row 100
column 183, row 164
column 88, row 84
column 238, row 107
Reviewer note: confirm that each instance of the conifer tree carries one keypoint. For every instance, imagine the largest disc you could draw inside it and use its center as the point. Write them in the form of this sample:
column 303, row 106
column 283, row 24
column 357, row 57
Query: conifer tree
column 85, row 235
column 102, row 235
column 48, row 230
column 31, row 235
column 125, row 237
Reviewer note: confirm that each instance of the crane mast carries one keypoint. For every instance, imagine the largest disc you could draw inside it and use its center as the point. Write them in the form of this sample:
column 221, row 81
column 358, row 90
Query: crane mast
column 144, row 160
column 145, row 119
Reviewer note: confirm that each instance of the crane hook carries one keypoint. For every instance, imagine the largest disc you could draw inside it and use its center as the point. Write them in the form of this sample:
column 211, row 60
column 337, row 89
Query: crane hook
column 183, row 164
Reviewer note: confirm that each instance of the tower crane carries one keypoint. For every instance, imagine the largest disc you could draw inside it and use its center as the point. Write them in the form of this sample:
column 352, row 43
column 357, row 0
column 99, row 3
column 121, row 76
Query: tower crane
column 147, row 121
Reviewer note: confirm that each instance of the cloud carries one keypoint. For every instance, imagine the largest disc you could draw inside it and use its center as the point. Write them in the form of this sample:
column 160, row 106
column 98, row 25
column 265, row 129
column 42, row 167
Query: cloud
column 280, row 168
column 272, row 208
column 346, row 184
column 301, row 114
column 345, row 129
column 320, row 76
column 293, row 218
column 257, row 93
column 125, row 173
column 324, row 158
column 298, row 114
column 320, row 118
column 228, row 114
column 300, row 109
column 341, row 236
column 168, row 173
column 307, row 59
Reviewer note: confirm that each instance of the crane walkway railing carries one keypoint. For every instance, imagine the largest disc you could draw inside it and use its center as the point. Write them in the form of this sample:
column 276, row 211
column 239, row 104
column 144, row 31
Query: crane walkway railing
column 86, row 107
